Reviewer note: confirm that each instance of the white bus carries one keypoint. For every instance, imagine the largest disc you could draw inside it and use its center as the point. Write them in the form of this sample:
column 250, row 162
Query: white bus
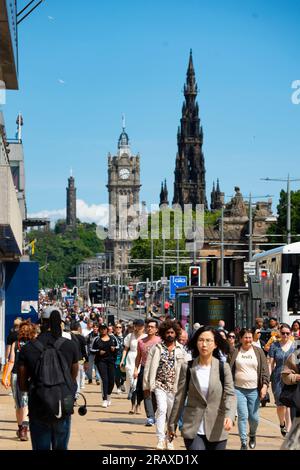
column 279, row 271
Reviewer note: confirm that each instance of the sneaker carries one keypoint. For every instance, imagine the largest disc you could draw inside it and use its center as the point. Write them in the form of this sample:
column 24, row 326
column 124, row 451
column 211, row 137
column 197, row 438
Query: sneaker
column 98, row 382
column 119, row 391
column 105, row 404
column 170, row 445
column 150, row 422
column 123, row 388
column 161, row 445
column 244, row 446
column 90, row 381
column 283, row 430
column 252, row 442
column 23, row 433
column 108, row 400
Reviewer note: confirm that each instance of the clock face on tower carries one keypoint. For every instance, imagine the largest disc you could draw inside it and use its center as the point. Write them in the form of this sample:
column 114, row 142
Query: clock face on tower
column 124, row 173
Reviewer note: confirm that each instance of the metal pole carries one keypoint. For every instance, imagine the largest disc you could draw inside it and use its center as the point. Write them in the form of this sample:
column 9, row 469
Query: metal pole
column 151, row 275
column 177, row 255
column 250, row 227
column 288, row 219
column 222, row 247
column 164, row 274
column 147, row 298
column 118, row 295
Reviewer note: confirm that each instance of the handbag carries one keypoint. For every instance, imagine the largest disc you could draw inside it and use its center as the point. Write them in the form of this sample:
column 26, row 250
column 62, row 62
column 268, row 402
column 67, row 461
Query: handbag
column 290, row 396
column 123, row 369
column 6, row 376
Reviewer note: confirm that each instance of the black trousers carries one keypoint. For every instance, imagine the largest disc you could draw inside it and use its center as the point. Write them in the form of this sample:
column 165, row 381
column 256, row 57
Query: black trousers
column 107, row 373
column 200, row 442
column 150, row 402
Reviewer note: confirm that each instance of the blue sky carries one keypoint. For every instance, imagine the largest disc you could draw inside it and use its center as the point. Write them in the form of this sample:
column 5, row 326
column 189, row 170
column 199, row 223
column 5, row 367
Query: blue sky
column 83, row 64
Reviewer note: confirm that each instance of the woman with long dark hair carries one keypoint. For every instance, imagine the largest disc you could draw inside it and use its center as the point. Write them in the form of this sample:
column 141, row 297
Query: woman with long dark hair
column 211, row 404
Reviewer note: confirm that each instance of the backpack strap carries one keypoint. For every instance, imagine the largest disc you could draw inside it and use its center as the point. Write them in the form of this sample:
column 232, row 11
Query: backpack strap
column 59, row 342
column 38, row 345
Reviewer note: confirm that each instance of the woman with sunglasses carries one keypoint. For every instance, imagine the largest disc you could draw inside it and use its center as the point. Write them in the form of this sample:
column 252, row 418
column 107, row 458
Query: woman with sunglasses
column 278, row 354
column 231, row 340
column 257, row 341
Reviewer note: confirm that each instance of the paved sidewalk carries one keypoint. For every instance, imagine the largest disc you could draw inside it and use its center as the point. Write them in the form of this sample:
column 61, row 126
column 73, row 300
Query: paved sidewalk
column 114, row 428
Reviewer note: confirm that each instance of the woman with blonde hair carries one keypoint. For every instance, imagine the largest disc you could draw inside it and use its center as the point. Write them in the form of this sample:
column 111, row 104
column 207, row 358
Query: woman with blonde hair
column 27, row 331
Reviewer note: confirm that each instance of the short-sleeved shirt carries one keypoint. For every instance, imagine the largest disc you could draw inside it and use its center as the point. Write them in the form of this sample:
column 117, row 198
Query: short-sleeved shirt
column 144, row 346
column 12, row 337
column 29, row 356
column 246, row 369
column 165, row 376
column 100, row 345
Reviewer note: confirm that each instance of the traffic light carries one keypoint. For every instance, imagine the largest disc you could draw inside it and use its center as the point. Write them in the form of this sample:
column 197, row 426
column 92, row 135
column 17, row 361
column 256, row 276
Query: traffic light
column 195, row 276
column 264, row 273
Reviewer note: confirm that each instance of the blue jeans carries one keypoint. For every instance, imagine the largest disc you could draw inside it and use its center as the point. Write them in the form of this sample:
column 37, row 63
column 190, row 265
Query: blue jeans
column 50, row 436
column 247, row 408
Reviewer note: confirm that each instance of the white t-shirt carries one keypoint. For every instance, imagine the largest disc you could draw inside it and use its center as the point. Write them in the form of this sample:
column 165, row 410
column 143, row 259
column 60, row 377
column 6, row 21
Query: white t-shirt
column 246, row 369
column 203, row 373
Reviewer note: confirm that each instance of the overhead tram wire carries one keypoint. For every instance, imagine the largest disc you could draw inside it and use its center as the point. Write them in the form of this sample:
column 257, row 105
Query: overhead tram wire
column 29, row 12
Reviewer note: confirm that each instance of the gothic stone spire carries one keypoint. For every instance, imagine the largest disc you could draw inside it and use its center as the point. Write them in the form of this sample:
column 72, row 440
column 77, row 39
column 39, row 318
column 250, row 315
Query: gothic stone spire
column 189, row 185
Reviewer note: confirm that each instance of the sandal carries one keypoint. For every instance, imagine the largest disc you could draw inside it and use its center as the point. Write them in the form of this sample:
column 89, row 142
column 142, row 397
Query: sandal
column 283, row 430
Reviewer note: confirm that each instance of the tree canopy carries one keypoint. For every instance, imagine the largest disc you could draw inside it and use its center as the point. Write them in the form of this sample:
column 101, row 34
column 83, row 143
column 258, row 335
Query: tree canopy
column 58, row 251
column 280, row 227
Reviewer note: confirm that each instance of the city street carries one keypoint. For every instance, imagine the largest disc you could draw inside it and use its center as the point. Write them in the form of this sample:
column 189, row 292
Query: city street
column 114, row 429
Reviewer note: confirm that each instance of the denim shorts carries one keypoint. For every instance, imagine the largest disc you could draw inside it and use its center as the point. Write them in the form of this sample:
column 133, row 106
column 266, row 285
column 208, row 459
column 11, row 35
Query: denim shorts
column 21, row 398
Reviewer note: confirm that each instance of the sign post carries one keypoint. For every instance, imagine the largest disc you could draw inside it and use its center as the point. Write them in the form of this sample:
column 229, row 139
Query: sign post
column 175, row 283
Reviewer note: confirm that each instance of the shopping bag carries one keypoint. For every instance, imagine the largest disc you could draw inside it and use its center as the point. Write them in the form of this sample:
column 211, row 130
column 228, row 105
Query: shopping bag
column 6, row 376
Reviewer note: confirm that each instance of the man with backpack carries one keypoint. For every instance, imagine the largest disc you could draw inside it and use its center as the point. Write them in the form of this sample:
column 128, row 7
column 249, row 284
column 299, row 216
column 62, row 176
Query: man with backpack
column 47, row 369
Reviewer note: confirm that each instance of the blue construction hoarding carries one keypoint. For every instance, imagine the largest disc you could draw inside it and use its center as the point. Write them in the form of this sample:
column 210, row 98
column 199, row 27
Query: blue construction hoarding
column 21, row 292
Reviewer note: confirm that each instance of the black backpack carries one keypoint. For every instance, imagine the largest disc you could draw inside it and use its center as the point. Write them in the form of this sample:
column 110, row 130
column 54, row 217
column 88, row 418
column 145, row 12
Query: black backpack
column 53, row 387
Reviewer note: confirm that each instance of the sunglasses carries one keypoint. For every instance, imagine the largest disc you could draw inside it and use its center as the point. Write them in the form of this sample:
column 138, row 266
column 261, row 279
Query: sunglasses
column 231, row 336
column 285, row 333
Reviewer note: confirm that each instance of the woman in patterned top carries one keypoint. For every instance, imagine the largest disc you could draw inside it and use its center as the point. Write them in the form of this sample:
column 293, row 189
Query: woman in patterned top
column 161, row 376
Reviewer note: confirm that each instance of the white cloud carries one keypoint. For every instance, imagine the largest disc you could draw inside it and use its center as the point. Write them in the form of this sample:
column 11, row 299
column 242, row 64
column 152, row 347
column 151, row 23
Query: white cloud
column 85, row 213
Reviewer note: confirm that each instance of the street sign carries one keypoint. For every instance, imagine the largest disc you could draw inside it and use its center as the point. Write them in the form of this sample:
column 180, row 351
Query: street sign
column 175, row 282
column 147, row 295
column 250, row 267
column 164, row 281
column 69, row 299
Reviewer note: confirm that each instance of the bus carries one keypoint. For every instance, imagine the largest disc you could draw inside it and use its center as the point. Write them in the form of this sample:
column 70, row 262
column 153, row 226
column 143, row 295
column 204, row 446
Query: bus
column 279, row 272
column 94, row 293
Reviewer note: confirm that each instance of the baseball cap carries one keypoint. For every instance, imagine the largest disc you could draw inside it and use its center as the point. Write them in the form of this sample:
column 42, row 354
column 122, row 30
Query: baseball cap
column 45, row 314
column 103, row 325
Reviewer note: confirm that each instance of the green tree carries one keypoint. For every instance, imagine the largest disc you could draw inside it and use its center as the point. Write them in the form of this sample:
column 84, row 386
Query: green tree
column 280, row 227
column 141, row 250
column 58, row 251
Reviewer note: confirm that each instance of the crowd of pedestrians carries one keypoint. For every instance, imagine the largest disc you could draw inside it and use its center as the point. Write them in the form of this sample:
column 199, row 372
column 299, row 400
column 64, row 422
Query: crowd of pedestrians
column 199, row 381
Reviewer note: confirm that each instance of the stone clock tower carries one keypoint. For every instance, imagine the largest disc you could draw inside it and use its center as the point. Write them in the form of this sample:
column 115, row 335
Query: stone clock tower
column 123, row 190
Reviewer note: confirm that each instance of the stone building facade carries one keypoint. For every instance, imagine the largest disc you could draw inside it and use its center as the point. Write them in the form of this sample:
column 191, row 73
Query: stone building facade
column 124, row 193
